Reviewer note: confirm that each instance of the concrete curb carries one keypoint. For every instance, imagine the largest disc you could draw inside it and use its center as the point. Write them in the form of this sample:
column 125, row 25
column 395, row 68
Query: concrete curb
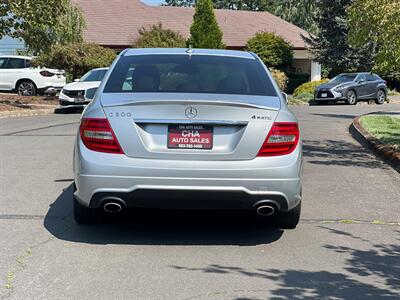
column 387, row 152
column 27, row 113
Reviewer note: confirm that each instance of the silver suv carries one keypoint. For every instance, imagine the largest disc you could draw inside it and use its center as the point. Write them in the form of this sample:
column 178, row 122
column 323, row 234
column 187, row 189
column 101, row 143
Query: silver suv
column 188, row 129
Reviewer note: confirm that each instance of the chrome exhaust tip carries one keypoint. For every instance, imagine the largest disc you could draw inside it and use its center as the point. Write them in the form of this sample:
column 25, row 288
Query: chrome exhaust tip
column 112, row 207
column 265, row 210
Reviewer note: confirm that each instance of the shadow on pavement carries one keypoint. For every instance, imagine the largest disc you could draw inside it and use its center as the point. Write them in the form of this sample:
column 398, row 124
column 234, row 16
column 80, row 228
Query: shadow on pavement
column 152, row 227
column 338, row 116
column 378, row 264
column 69, row 110
column 340, row 153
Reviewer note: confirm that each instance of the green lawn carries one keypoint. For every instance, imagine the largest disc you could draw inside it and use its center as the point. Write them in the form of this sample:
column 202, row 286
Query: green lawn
column 385, row 128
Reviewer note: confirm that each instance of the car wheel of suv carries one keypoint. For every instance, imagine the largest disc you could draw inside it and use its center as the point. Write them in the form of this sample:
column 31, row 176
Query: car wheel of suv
column 26, row 88
column 351, row 97
column 381, row 97
column 86, row 215
column 287, row 219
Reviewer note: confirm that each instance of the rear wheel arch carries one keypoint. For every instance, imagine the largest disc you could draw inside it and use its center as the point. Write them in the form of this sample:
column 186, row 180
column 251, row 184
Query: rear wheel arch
column 25, row 79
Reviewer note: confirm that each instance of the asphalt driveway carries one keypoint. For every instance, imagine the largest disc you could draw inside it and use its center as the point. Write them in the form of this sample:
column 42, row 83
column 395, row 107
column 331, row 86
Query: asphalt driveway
column 346, row 247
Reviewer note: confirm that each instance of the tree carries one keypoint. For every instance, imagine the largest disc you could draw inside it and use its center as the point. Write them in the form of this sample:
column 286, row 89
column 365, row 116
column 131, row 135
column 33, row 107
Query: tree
column 184, row 3
column 205, row 32
column 273, row 50
column 76, row 59
column 157, row 37
column 377, row 22
column 299, row 12
column 330, row 46
column 41, row 23
column 6, row 20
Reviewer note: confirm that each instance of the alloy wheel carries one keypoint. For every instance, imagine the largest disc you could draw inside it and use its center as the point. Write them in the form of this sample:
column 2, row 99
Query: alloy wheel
column 381, row 97
column 26, row 89
column 351, row 98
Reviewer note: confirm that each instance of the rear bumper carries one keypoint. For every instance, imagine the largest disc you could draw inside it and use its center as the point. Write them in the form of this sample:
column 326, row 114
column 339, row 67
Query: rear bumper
column 189, row 198
column 182, row 184
column 50, row 90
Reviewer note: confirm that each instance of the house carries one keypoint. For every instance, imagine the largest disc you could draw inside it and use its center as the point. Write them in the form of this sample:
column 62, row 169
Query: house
column 115, row 24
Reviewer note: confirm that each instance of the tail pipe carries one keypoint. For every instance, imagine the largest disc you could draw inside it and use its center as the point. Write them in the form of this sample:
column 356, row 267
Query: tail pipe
column 266, row 208
column 113, row 205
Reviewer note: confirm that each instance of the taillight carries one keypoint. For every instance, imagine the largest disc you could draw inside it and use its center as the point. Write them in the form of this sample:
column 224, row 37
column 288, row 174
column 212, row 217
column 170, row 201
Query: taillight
column 281, row 140
column 46, row 73
column 97, row 135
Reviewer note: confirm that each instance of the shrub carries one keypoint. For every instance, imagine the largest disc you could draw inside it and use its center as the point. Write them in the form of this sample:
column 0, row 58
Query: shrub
column 308, row 87
column 273, row 50
column 158, row 37
column 205, row 32
column 393, row 93
column 295, row 80
column 305, row 97
column 76, row 59
column 280, row 78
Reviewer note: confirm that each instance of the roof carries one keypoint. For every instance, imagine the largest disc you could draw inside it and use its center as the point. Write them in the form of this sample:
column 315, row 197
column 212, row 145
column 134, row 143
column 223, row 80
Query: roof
column 16, row 56
column 214, row 52
column 99, row 69
column 116, row 22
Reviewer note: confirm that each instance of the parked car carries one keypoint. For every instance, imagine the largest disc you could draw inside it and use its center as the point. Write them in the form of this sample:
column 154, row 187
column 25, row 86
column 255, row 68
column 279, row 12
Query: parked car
column 81, row 92
column 17, row 75
column 353, row 87
column 188, row 129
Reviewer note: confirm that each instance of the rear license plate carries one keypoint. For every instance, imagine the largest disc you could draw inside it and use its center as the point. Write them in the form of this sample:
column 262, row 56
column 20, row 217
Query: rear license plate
column 324, row 95
column 190, row 137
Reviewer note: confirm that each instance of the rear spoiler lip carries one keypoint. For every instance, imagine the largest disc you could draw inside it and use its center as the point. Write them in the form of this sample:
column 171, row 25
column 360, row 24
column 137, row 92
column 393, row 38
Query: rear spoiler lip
column 272, row 105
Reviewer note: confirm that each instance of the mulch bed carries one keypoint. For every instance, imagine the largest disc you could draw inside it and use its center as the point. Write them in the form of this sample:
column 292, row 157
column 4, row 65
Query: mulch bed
column 16, row 99
column 12, row 105
column 7, row 107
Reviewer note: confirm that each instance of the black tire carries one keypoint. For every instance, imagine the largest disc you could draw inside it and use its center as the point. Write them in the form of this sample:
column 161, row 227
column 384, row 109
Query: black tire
column 26, row 88
column 84, row 215
column 380, row 97
column 351, row 97
column 288, row 219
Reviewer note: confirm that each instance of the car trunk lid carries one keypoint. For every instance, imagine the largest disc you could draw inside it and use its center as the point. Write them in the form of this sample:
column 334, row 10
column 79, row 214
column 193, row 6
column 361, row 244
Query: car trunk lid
column 190, row 126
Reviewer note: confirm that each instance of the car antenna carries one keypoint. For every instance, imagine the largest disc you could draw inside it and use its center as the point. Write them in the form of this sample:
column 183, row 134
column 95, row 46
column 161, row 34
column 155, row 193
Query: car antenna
column 189, row 50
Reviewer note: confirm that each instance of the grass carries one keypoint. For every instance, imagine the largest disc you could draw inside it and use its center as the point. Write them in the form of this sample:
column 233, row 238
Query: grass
column 385, row 128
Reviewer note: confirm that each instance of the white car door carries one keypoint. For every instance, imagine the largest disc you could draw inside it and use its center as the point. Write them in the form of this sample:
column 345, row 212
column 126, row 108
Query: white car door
column 13, row 71
column 3, row 77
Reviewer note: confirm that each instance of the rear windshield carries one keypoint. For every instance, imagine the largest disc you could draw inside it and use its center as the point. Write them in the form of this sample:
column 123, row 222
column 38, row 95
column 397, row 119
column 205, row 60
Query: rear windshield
column 189, row 74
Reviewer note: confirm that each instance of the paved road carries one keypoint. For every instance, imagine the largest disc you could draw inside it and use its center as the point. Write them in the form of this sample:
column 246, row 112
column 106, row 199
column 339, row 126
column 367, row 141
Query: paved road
column 154, row 256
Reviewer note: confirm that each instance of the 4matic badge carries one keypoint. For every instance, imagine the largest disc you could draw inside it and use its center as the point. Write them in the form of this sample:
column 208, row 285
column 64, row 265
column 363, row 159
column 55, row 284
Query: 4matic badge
column 261, row 117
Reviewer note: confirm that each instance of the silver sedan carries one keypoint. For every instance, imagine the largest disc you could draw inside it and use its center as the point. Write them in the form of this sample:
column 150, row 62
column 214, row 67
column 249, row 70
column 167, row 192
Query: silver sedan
column 188, row 129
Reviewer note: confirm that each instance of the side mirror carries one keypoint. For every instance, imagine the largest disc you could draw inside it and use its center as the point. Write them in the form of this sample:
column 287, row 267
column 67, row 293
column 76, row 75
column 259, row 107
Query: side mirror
column 77, row 80
column 285, row 97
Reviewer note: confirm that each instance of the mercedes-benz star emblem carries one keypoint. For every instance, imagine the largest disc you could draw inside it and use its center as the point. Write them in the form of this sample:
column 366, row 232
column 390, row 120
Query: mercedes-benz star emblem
column 191, row 112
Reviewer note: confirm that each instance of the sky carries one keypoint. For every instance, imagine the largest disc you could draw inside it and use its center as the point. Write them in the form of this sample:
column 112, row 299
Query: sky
column 153, row 2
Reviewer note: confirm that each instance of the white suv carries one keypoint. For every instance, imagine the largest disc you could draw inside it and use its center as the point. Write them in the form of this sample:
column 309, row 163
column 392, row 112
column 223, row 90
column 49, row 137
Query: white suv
column 17, row 75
